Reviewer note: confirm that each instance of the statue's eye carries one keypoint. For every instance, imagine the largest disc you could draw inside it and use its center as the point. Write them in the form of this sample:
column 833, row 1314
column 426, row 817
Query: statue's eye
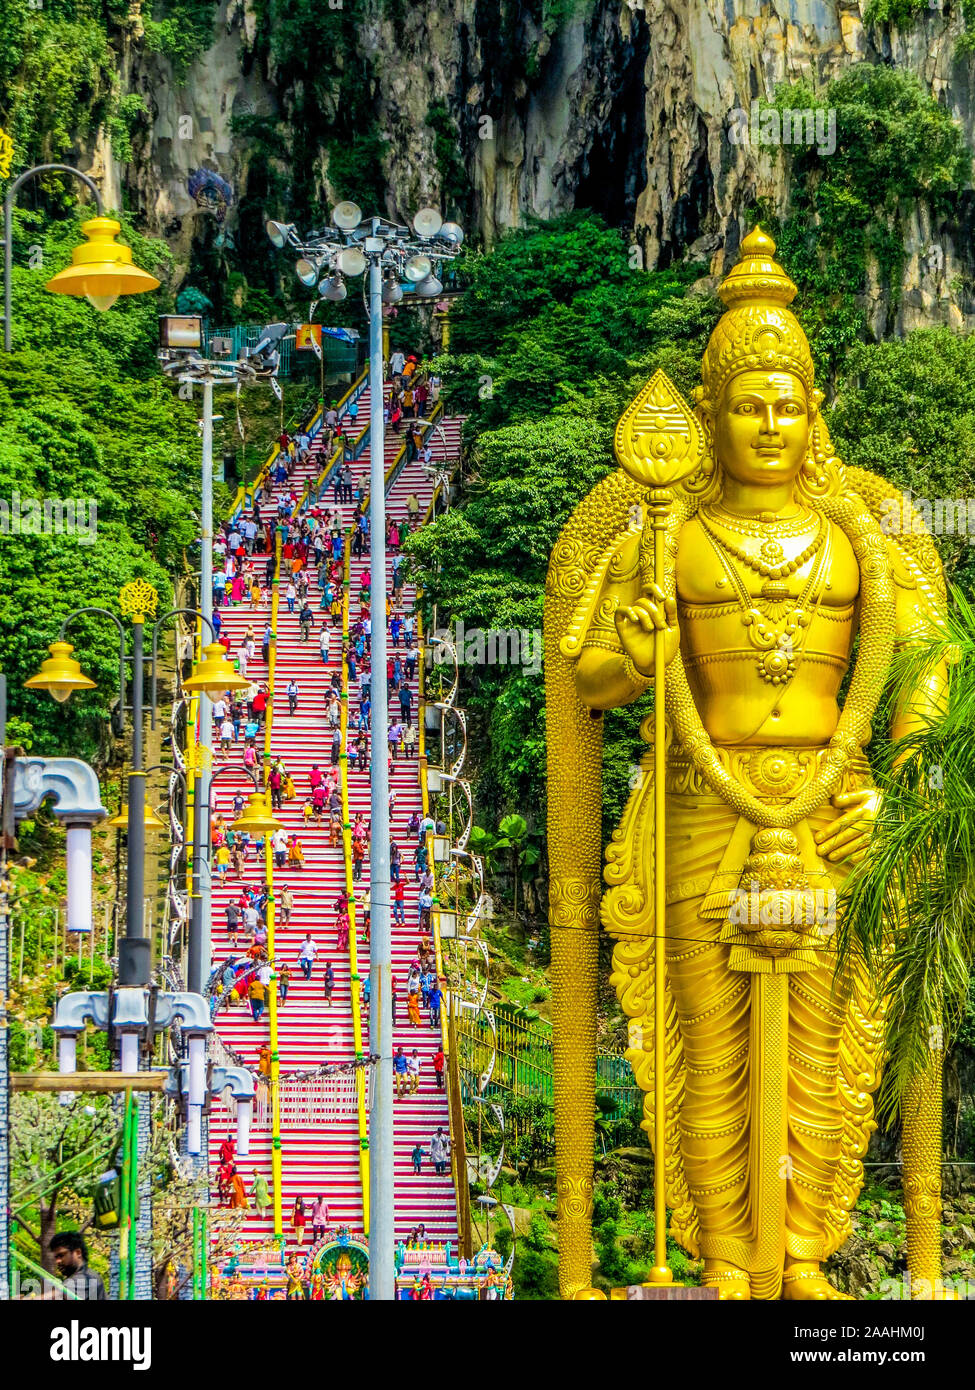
column 746, row 408
column 790, row 408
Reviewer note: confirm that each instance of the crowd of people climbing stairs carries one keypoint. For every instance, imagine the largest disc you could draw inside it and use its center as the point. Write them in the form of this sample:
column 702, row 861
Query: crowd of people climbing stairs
column 313, row 565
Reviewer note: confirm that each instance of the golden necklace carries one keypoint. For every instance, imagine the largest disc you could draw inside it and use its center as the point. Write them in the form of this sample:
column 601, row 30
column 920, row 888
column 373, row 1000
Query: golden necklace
column 776, row 626
column 762, row 524
column 852, row 515
column 771, row 562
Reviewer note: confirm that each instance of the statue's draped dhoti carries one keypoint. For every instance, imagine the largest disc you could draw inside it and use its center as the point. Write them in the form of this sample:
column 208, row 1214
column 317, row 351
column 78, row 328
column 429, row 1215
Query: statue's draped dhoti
column 771, row 1058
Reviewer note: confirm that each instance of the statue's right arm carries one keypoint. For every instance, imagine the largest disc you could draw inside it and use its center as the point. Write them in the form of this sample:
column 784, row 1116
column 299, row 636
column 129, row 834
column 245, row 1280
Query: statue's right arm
column 605, row 680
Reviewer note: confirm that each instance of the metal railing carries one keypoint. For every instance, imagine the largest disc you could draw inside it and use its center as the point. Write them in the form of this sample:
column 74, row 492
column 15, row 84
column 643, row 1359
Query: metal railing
column 360, row 1077
column 338, row 356
column 516, row 1057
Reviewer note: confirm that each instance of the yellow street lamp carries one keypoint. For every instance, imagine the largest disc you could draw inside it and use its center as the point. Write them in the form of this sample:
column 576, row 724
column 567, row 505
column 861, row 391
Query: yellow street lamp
column 150, row 820
column 258, row 818
column 100, row 268
column 214, row 674
column 60, row 673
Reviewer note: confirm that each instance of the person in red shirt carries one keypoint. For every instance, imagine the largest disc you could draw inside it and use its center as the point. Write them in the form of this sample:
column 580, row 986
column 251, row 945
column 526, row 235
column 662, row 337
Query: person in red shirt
column 439, row 1062
column 399, row 905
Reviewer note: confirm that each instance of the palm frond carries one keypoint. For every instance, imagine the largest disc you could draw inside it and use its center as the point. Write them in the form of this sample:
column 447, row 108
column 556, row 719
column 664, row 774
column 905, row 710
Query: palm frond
column 908, row 909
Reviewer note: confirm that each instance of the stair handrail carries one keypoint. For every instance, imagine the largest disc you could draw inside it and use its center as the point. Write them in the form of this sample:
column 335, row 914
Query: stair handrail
column 462, row 1193
column 350, row 891
column 274, row 1080
column 338, row 457
column 312, row 428
column 458, row 1143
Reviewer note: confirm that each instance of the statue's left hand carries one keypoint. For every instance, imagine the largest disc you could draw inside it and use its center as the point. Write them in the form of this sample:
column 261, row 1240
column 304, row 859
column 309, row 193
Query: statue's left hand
column 849, row 835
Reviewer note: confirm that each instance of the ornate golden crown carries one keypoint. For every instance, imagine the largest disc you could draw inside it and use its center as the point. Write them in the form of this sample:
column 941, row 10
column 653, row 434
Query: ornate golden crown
column 759, row 332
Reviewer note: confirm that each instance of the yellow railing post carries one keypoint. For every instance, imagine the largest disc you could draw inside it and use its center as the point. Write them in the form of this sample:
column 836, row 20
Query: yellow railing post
column 275, row 1080
column 350, row 893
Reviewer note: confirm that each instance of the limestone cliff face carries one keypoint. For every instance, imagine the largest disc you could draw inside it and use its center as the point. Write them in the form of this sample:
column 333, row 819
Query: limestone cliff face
column 625, row 107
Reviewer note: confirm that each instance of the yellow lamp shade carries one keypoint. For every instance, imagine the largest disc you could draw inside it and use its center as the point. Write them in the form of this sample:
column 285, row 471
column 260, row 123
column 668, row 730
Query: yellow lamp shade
column 60, row 673
column 150, row 820
column 258, row 819
column 101, row 268
column 214, row 674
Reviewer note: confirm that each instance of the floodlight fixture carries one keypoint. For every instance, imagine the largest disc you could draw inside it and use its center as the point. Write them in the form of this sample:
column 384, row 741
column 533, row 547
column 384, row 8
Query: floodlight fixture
column 417, row 268
column 427, row 222
column 346, row 216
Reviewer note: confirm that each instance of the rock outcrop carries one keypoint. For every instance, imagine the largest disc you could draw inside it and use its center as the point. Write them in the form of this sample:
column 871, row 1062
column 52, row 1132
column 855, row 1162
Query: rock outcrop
column 628, row 108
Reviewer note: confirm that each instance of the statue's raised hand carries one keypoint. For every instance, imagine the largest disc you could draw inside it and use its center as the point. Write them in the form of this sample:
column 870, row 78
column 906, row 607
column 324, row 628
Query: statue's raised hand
column 636, row 627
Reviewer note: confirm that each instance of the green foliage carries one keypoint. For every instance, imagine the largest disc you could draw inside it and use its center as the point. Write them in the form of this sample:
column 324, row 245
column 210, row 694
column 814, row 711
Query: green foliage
column 57, row 75
column 85, row 415
column 552, row 339
column 900, row 13
column 532, row 1120
column 905, row 408
column 909, row 907
column 130, row 113
column 535, row 1271
column 896, row 145
column 454, row 180
column 181, row 30
column 965, row 45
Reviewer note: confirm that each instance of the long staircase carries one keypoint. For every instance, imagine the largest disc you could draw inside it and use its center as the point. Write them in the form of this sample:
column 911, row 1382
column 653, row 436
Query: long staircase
column 322, row 1149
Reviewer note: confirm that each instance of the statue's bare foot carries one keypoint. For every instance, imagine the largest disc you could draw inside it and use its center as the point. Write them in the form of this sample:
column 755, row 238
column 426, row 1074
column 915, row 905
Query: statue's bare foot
column 804, row 1282
column 732, row 1283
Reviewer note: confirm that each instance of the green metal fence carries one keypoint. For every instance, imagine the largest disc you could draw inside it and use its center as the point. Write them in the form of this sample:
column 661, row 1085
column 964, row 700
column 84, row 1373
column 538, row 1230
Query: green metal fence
column 340, row 357
column 522, row 1065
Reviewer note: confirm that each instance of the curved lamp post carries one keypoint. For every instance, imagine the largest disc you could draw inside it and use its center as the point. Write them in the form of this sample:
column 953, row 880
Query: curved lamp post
column 100, row 269
column 60, row 674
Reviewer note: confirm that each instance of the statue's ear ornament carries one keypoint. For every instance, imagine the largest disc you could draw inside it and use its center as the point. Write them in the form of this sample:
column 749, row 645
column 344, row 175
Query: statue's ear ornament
column 822, row 473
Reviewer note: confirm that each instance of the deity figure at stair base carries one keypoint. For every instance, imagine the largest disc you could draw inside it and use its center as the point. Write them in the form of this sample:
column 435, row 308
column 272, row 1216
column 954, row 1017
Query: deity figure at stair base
column 775, row 561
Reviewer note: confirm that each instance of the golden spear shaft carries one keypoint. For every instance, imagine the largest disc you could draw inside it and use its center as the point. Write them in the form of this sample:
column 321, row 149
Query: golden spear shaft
column 660, row 501
column 658, row 443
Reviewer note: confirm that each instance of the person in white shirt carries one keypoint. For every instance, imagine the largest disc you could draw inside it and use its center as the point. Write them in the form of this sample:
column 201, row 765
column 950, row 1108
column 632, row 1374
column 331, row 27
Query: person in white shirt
column 397, row 362
column 323, row 643
column 306, row 956
column 219, row 710
column 242, row 660
column 226, row 736
column 413, row 1071
column 279, row 843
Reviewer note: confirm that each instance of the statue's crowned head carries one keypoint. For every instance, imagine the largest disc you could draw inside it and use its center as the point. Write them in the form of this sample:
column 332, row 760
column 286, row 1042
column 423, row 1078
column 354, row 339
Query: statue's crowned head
column 759, row 332
column 758, row 401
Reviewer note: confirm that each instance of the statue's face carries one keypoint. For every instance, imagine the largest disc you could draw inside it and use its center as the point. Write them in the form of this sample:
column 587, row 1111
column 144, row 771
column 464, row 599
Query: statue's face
column 761, row 428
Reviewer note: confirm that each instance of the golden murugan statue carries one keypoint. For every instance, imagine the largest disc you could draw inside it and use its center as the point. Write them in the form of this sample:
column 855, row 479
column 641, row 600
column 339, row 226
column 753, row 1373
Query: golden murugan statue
column 774, row 561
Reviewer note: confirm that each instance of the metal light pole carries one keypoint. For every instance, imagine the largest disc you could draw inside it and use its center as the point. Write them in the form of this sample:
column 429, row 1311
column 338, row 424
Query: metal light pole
column 189, row 367
column 198, row 946
column 61, row 674
column 382, row 1272
column 389, row 252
